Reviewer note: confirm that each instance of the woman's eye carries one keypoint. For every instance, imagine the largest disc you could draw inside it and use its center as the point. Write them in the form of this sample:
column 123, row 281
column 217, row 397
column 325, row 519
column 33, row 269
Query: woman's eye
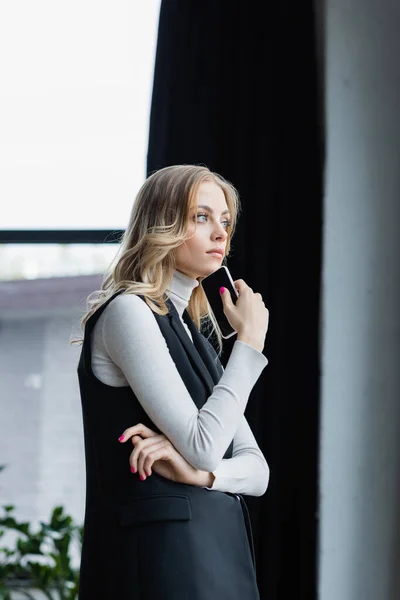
column 226, row 223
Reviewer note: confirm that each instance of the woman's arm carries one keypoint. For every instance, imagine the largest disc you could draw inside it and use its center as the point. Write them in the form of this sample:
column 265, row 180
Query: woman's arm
column 247, row 472
column 135, row 343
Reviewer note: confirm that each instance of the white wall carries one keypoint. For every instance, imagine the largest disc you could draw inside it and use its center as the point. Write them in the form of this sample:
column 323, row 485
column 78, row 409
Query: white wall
column 41, row 430
column 360, row 445
column 41, row 441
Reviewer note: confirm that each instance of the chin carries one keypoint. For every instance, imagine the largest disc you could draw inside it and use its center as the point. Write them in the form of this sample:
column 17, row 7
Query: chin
column 208, row 271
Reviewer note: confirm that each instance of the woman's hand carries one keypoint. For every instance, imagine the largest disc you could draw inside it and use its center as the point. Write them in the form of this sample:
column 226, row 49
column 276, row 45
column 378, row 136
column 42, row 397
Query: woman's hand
column 154, row 452
column 249, row 316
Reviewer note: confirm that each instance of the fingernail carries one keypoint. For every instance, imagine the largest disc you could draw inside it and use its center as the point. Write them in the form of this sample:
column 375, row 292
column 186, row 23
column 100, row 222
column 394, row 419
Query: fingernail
column 121, row 438
column 142, row 478
column 133, row 470
column 221, row 290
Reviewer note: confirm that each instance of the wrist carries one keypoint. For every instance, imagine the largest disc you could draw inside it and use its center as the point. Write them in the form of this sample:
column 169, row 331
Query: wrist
column 252, row 341
column 204, row 479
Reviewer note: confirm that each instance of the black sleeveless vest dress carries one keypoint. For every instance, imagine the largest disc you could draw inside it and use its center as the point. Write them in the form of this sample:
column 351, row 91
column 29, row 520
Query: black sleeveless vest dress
column 156, row 539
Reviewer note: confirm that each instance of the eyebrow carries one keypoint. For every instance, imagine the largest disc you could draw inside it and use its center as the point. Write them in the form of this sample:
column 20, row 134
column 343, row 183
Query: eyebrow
column 211, row 210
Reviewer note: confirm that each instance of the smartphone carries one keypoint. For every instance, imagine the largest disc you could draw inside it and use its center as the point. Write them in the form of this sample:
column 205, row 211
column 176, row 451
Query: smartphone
column 211, row 284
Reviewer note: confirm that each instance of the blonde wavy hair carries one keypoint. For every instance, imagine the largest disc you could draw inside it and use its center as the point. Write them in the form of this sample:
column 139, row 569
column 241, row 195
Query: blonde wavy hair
column 158, row 224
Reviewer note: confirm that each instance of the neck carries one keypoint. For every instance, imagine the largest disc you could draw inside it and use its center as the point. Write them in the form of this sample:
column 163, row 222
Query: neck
column 180, row 290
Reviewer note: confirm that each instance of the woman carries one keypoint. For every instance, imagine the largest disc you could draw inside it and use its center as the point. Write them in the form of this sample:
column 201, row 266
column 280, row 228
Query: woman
column 168, row 449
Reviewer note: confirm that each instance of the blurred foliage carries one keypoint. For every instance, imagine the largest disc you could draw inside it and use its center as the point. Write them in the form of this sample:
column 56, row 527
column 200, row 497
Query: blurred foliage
column 39, row 560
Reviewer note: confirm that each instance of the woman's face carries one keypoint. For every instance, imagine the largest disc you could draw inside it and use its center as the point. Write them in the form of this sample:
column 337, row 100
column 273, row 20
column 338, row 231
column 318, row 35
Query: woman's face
column 209, row 222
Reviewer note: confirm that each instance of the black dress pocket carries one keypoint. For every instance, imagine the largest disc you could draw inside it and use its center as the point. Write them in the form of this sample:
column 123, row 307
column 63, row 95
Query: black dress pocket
column 148, row 509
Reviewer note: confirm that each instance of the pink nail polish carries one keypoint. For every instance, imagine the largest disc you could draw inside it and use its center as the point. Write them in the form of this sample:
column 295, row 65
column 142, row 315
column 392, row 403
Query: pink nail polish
column 221, row 290
column 121, row 438
column 142, row 478
column 133, row 470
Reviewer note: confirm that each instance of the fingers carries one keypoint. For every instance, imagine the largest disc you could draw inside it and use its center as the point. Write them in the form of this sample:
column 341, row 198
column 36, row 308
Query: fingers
column 241, row 286
column 259, row 297
column 136, row 439
column 138, row 459
column 138, row 429
column 149, row 456
column 149, row 446
column 226, row 297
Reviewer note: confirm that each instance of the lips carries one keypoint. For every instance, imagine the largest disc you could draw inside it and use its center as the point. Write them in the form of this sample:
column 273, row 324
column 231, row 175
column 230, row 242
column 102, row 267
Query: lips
column 216, row 251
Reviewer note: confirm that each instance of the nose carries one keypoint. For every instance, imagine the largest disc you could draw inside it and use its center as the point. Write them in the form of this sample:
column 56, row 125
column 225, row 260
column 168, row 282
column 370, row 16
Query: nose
column 220, row 232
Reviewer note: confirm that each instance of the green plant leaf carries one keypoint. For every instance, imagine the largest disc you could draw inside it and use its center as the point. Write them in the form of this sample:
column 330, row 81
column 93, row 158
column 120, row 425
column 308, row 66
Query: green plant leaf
column 30, row 546
column 55, row 577
column 7, row 552
column 12, row 523
column 4, row 592
column 42, row 574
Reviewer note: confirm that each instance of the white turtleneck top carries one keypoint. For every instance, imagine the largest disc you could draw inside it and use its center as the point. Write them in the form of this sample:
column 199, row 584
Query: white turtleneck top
column 128, row 348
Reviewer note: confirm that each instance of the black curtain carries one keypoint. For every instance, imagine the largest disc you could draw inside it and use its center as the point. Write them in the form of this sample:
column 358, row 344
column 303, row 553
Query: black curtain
column 237, row 88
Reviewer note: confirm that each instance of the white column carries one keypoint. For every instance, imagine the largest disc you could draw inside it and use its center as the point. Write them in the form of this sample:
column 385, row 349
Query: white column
column 359, row 546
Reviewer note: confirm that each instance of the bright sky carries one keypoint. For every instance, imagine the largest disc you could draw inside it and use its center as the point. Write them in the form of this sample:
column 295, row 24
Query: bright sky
column 76, row 81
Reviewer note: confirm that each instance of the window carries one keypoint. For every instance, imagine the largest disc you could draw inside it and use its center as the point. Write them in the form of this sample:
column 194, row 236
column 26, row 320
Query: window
column 76, row 82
